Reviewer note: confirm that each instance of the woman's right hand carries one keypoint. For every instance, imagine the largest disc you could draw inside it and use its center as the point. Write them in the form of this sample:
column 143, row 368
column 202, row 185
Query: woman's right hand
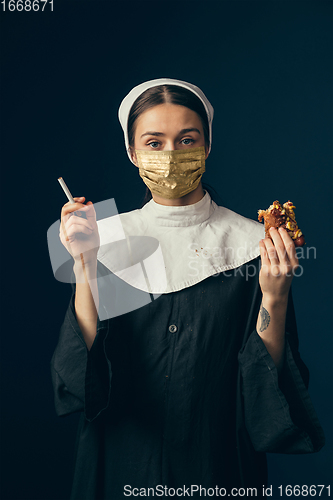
column 79, row 235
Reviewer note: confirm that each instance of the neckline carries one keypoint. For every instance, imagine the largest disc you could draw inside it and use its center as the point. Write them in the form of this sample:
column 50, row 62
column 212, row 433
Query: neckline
column 178, row 216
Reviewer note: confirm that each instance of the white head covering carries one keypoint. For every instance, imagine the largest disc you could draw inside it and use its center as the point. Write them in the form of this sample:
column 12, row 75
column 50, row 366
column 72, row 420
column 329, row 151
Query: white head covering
column 127, row 102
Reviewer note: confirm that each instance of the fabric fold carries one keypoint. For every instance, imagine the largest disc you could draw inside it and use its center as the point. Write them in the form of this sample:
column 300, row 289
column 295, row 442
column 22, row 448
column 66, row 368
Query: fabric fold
column 81, row 378
column 293, row 426
column 68, row 366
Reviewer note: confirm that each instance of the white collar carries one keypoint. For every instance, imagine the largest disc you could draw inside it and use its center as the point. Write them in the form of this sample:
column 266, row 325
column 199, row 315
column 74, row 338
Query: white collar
column 179, row 216
column 163, row 249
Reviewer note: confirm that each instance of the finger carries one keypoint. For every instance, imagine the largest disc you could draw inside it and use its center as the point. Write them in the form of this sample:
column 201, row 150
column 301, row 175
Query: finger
column 71, row 207
column 63, row 236
column 265, row 262
column 78, row 221
column 273, row 258
column 87, row 209
column 79, row 199
column 289, row 246
column 76, row 229
column 90, row 211
column 75, row 224
column 271, row 251
column 263, row 253
column 280, row 249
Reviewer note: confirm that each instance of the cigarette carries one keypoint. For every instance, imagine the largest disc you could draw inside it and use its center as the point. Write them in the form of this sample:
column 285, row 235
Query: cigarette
column 66, row 190
column 69, row 196
column 71, row 200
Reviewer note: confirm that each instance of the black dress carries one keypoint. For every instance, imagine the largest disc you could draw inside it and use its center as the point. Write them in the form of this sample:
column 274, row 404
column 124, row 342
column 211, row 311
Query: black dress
column 182, row 392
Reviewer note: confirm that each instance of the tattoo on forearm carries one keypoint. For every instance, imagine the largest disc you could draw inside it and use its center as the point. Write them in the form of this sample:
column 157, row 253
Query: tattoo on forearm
column 265, row 318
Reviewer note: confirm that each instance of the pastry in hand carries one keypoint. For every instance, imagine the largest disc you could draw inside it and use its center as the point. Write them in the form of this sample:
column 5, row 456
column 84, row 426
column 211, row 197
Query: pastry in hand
column 278, row 215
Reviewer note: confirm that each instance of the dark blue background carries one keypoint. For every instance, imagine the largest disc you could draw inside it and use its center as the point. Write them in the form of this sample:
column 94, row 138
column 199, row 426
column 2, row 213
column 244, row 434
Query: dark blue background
column 266, row 67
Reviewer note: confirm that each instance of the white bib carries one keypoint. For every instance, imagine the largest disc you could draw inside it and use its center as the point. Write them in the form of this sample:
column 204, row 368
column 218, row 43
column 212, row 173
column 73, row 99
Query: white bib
column 163, row 249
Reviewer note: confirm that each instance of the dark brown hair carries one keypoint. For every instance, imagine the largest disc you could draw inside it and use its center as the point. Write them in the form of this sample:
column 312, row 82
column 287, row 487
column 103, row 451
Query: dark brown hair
column 166, row 94
column 162, row 94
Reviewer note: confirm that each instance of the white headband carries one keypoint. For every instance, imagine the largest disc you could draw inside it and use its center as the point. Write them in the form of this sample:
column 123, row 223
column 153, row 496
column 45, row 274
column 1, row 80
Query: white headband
column 127, row 102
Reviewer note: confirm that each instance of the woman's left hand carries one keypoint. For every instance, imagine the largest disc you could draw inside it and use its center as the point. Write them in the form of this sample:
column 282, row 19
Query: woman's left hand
column 278, row 264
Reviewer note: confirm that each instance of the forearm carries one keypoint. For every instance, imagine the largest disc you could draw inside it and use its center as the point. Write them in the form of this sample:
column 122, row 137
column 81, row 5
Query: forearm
column 86, row 299
column 271, row 327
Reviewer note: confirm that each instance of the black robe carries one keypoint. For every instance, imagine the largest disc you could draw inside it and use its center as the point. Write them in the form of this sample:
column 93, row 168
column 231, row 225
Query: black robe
column 182, row 392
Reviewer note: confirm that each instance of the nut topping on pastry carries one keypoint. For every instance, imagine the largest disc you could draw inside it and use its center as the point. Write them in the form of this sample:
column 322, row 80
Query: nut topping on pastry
column 278, row 215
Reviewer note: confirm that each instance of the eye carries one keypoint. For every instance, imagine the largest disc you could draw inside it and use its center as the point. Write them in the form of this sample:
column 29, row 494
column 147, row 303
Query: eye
column 187, row 140
column 154, row 142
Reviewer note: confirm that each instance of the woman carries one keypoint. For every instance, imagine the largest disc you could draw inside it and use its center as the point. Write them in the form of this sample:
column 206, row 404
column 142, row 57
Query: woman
column 190, row 390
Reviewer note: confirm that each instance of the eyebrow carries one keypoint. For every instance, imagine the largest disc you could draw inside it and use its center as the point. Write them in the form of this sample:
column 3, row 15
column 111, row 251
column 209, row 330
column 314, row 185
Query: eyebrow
column 183, row 131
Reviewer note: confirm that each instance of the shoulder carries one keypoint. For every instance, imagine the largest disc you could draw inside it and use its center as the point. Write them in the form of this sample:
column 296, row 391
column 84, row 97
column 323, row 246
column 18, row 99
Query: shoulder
column 236, row 228
column 238, row 221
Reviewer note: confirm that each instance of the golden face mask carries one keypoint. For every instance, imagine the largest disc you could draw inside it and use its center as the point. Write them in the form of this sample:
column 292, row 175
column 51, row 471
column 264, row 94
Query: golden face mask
column 171, row 174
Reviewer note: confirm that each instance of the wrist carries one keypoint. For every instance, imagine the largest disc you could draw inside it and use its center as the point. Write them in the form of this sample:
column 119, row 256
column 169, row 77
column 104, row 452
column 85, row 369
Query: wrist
column 274, row 301
column 85, row 270
column 89, row 258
